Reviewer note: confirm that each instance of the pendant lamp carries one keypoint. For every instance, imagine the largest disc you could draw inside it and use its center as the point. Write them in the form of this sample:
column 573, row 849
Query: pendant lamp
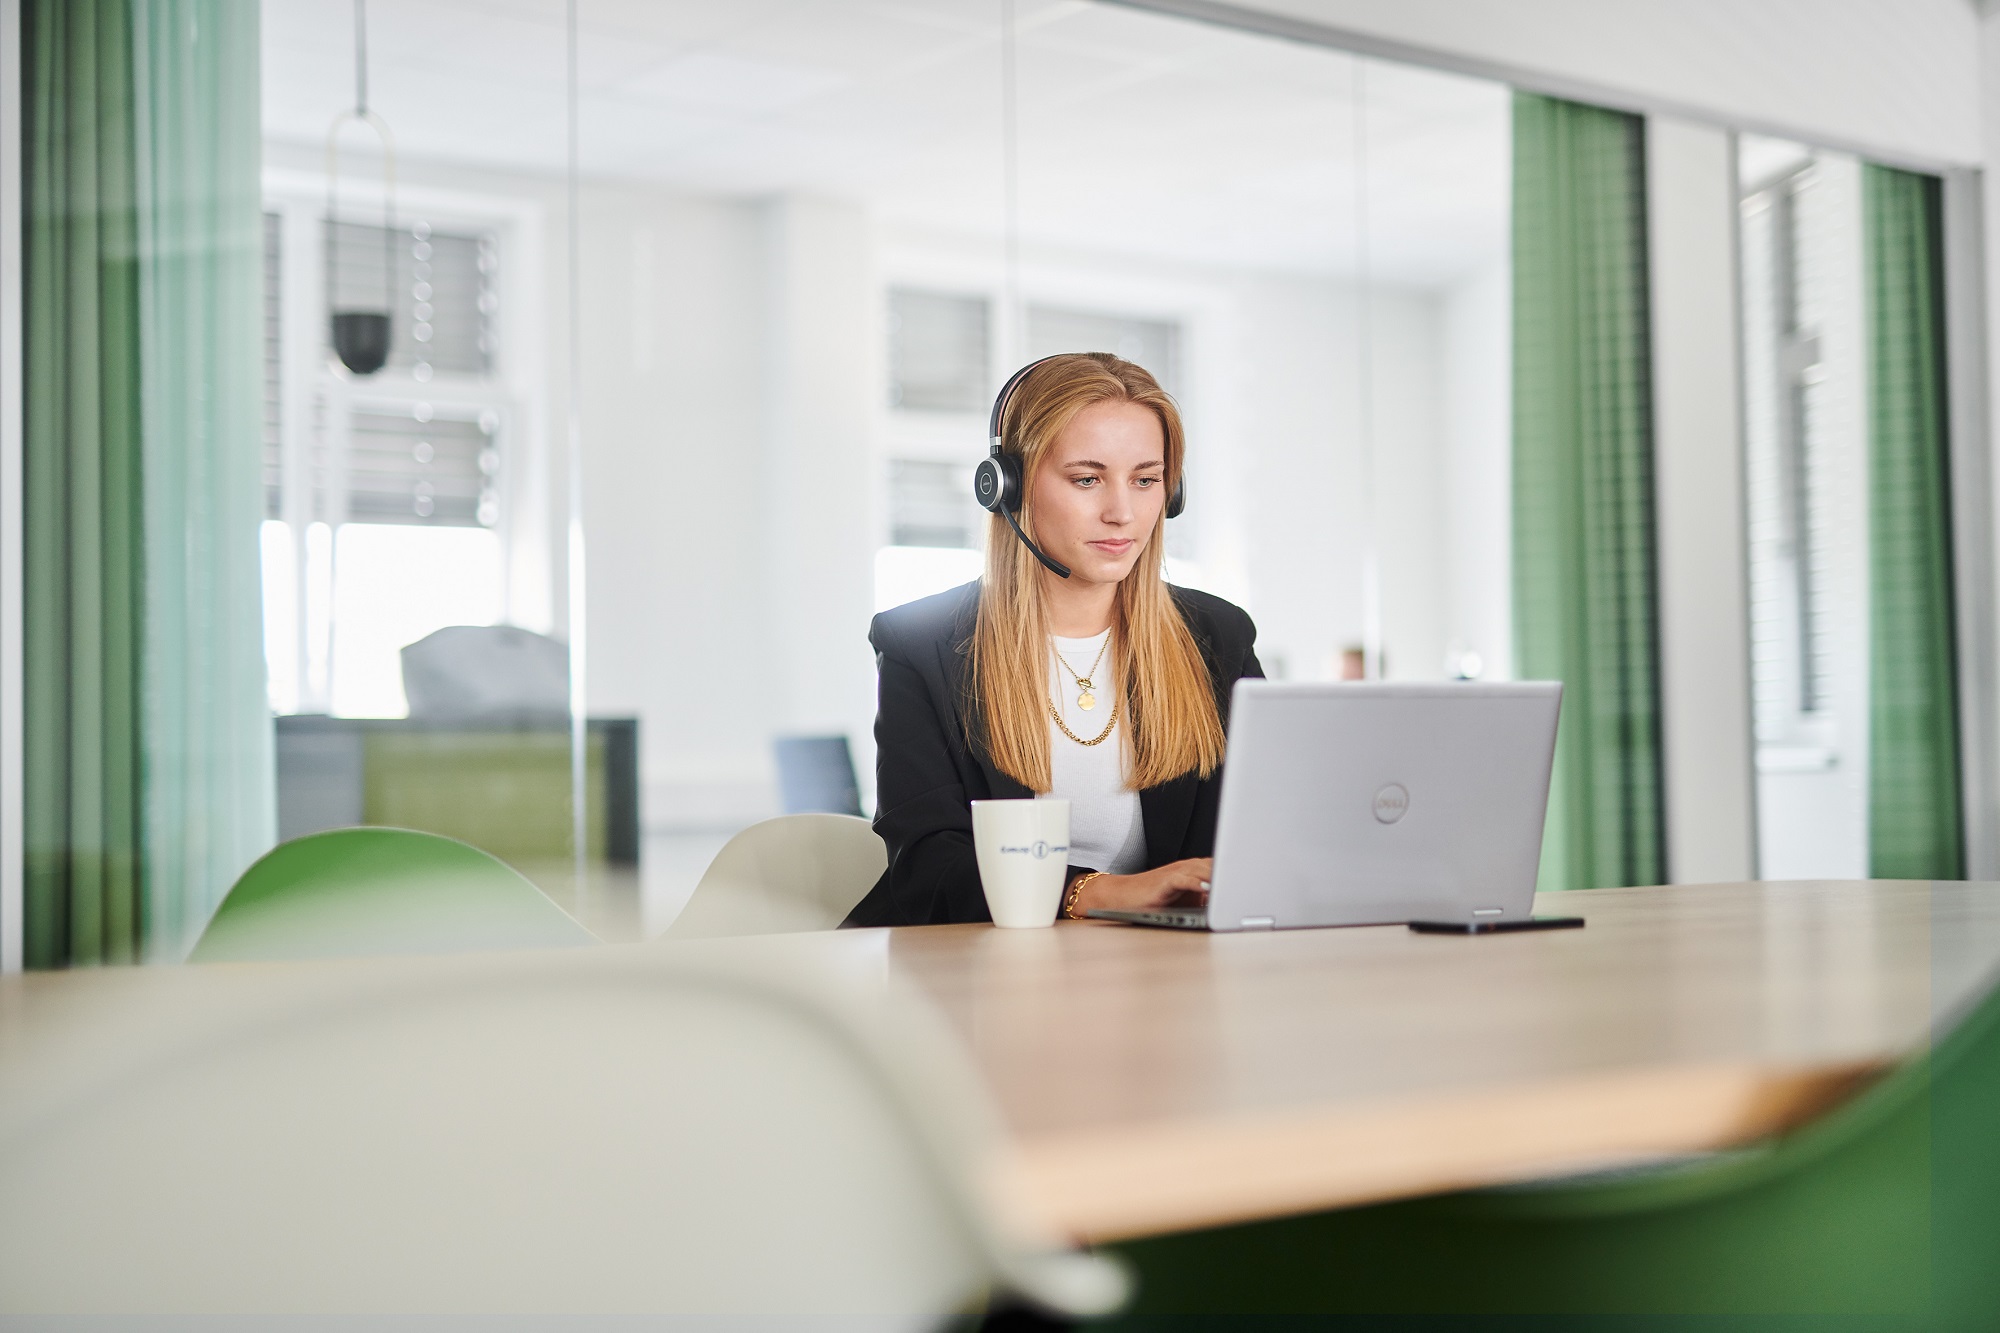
column 361, row 335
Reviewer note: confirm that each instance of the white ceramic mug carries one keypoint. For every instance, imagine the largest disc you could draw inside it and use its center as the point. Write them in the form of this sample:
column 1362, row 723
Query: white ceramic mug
column 1023, row 849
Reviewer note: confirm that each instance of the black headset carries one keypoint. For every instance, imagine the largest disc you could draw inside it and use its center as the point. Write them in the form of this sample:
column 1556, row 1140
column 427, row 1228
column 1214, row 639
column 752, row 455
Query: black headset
column 996, row 483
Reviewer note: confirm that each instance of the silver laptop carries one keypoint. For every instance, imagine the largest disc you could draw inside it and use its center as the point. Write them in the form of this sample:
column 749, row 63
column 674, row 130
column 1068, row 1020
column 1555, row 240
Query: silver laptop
column 1361, row 804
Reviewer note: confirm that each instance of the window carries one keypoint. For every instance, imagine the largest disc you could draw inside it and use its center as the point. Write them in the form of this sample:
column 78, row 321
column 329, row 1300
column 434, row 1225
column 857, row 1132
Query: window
column 930, row 503
column 419, row 467
column 938, row 351
column 1790, row 433
column 384, row 496
column 1789, row 524
column 1807, row 500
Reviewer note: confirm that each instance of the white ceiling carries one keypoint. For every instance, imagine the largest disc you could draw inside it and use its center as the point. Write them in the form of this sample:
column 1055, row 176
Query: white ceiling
column 1138, row 133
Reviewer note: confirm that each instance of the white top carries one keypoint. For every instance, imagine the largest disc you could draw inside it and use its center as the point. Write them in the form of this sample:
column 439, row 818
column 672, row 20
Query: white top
column 1106, row 829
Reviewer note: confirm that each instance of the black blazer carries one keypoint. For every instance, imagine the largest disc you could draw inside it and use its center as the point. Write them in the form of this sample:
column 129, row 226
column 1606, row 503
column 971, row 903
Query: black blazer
column 927, row 778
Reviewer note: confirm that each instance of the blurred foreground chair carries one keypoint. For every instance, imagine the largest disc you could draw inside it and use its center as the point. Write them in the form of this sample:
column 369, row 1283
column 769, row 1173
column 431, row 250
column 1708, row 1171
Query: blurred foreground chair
column 509, row 1142
column 1883, row 1214
column 358, row 891
column 795, row 872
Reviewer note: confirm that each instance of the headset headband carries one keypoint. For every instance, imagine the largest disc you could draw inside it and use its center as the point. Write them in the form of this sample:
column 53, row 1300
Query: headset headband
column 1007, row 392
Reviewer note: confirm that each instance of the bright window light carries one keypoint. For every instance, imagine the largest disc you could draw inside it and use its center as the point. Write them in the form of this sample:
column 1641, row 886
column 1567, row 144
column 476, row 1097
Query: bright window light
column 281, row 615
column 394, row 584
column 319, row 614
column 905, row 573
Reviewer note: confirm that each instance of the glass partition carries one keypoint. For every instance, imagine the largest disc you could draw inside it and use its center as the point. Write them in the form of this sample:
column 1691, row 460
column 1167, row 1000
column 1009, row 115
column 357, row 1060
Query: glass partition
column 415, row 510
column 807, row 274
column 681, row 323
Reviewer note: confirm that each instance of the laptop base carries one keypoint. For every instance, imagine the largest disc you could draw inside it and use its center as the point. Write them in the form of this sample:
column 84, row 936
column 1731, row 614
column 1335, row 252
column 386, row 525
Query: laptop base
column 1163, row 918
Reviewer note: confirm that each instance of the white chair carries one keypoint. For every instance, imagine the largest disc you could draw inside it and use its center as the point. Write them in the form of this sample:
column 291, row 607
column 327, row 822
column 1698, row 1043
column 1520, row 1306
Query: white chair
column 796, row 872
column 517, row 1141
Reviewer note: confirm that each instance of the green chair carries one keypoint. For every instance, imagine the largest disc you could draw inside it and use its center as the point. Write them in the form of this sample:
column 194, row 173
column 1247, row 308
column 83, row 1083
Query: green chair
column 354, row 892
column 1882, row 1215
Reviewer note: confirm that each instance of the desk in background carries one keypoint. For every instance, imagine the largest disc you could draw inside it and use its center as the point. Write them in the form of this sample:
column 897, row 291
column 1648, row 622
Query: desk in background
column 503, row 787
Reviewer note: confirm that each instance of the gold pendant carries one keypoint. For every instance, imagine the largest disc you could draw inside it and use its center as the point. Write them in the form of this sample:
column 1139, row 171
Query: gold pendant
column 1086, row 701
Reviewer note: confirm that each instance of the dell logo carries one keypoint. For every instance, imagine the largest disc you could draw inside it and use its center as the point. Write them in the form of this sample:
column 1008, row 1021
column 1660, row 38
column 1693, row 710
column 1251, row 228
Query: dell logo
column 1391, row 803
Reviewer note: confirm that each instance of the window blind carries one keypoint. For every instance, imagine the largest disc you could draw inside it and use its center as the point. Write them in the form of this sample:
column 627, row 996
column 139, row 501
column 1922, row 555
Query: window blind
column 438, row 472
column 938, row 351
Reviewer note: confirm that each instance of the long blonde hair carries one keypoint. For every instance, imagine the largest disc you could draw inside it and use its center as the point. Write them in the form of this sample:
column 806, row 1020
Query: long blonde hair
column 1171, row 725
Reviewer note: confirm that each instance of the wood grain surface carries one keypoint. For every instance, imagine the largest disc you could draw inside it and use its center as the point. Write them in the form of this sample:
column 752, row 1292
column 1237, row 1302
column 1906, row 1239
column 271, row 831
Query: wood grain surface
column 1158, row 1081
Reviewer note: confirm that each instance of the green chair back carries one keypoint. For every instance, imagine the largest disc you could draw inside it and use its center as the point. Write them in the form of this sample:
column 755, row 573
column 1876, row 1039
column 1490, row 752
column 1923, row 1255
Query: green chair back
column 1884, row 1214
column 360, row 891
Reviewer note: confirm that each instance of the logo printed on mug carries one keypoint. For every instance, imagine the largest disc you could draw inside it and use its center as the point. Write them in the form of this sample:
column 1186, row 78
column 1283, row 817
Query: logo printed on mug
column 1040, row 850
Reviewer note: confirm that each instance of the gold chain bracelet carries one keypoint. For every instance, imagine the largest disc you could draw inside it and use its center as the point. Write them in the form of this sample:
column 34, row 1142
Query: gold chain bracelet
column 1068, row 912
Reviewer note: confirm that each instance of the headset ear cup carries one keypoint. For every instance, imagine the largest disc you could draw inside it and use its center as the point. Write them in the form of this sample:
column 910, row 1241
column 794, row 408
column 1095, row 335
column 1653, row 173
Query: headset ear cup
column 996, row 484
column 1178, row 500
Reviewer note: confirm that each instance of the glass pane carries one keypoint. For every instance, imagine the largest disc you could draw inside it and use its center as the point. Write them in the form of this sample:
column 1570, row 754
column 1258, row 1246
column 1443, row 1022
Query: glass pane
column 414, row 553
column 800, row 284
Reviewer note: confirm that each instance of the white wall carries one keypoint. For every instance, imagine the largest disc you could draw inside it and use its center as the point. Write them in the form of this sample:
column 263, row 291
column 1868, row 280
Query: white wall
column 1704, row 619
column 730, row 388
column 676, row 518
column 1478, row 470
column 823, row 390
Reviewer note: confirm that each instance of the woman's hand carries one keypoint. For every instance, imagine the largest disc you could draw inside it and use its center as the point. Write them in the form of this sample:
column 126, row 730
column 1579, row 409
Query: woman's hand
column 1179, row 884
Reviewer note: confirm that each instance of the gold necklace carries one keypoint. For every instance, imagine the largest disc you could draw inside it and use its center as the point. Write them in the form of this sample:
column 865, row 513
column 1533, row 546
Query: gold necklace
column 1057, row 717
column 1086, row 698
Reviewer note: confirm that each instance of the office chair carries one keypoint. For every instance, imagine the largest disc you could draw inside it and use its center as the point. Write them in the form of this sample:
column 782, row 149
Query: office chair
column 511, row 1141
column 795, row 872
column 357, row 891
column 816, row 773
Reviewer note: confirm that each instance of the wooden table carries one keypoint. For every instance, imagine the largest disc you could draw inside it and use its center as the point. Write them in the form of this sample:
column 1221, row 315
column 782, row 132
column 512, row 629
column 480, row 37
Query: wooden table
column 1153, row 1081
column 1156, row 1081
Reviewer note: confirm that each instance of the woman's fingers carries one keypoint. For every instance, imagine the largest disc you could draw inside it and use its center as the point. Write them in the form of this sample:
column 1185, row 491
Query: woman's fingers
column 1184, row 882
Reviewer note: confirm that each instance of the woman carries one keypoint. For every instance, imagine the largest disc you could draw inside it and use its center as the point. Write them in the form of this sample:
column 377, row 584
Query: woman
column 1107, row 687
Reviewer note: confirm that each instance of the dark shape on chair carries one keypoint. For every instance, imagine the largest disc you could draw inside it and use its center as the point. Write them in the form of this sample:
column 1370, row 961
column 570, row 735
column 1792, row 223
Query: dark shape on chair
column 816, row 773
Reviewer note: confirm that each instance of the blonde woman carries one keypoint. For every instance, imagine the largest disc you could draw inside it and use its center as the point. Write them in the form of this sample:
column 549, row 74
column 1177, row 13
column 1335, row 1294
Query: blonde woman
column 1105, row 686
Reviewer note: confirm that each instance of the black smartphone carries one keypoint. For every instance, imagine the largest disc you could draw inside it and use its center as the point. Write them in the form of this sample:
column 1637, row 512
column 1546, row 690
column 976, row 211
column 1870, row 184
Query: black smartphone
column 1496, row 927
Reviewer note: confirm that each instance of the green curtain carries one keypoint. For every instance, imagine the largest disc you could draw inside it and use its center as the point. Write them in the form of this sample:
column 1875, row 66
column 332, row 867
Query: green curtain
column 210, row 793
column 1914, row 822
column 1584, row 592
column 80, row 472
column 147, row 744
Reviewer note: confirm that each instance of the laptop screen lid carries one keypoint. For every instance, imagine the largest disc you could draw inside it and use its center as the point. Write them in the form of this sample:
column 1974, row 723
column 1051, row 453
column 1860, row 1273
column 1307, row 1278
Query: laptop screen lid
column 1363, row 803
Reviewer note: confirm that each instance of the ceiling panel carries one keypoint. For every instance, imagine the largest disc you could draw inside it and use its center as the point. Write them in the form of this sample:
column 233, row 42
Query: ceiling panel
column 1137, row 132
